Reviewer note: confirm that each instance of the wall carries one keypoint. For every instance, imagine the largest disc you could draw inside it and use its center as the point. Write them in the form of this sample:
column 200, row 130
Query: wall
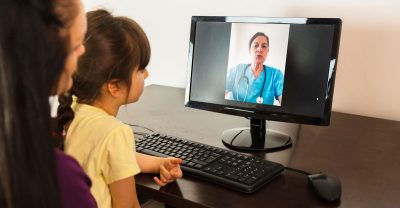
column 368, row 76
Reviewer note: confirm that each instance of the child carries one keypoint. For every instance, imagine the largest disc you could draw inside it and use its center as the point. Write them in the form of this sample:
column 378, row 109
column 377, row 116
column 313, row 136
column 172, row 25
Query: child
column 110, row 74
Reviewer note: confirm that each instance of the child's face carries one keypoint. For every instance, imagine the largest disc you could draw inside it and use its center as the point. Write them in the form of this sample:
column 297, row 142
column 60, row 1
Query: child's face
column 138, row 77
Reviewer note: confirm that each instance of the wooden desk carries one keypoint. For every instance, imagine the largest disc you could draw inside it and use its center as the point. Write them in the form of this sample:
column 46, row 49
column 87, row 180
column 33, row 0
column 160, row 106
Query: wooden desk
column 363, row 152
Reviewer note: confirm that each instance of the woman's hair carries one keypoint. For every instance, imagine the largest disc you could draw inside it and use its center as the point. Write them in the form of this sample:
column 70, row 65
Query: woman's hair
column 33, row 49
column 115, row 47
column 255, row 36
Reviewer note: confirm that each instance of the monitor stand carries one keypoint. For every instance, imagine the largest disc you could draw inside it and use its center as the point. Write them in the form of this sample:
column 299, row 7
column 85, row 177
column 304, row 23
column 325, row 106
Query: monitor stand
column 256, row 138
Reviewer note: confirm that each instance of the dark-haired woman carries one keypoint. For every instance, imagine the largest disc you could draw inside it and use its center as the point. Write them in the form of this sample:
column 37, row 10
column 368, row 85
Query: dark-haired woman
column 40, row 42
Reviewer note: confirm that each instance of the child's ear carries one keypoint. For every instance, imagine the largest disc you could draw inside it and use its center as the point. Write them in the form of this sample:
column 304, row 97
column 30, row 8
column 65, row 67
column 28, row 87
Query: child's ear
column 114, row 87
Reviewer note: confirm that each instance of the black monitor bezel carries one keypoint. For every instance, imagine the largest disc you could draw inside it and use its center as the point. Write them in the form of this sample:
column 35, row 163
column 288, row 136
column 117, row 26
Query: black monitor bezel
column 255, row 113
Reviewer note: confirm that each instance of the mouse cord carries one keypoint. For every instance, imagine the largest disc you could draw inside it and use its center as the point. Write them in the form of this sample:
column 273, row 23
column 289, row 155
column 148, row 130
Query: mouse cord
column 138, row 132
column 297, row 170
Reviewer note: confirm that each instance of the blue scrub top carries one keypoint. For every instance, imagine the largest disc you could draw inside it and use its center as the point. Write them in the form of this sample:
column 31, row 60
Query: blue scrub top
column 237, row 83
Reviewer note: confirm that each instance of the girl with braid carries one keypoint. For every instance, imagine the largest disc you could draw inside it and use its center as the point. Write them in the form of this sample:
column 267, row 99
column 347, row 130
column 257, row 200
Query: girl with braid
column 110, row 74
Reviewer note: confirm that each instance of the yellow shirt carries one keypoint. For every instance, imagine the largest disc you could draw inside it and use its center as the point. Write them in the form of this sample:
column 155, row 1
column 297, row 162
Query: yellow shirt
column 104, row 147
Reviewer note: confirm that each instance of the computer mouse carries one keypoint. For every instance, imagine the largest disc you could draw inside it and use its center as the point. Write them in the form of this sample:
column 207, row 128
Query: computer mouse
column 325, row 187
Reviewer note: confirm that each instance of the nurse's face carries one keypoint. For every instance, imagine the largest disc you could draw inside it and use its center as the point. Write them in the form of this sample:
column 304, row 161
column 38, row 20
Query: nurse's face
column 259, row 49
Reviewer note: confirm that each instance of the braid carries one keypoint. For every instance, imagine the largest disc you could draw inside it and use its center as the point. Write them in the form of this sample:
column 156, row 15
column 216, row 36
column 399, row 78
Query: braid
column 65, row 115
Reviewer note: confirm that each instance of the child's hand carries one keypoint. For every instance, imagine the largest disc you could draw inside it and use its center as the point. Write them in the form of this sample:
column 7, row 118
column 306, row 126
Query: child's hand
column 169, row 171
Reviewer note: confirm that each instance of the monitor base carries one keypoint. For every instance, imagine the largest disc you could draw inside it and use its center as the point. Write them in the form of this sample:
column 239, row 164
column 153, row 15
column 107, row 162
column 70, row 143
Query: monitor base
column 242, row 139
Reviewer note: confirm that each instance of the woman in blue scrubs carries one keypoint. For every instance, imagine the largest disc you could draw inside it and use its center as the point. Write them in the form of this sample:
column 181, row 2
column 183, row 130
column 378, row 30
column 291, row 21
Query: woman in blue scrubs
column 255, row 82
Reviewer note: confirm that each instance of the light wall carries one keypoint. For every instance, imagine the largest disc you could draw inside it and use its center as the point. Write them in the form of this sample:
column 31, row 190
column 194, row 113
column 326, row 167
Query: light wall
column 368, row 74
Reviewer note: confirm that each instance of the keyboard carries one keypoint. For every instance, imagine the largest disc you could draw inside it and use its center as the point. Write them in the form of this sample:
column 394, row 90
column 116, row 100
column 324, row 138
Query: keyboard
column 234, row 170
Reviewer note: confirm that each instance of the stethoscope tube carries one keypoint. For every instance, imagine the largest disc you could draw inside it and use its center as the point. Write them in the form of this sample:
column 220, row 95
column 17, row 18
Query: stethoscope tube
column 259, row 99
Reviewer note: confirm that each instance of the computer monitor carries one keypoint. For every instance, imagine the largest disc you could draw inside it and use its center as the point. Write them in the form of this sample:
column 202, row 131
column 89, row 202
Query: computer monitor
column 262, row 68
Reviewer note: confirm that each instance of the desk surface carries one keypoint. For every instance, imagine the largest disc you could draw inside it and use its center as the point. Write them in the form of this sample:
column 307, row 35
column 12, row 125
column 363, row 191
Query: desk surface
column 363, row 152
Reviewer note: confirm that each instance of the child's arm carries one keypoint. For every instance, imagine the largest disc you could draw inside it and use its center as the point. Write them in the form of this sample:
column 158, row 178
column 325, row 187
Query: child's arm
column 123, row 193
column 168, row 168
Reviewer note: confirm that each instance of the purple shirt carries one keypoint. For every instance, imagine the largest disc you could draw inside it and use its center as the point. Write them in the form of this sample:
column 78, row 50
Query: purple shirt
column 74, row 184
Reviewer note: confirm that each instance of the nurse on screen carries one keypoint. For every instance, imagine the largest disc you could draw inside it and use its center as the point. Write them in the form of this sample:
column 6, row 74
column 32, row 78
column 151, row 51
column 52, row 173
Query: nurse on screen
column 255, row 82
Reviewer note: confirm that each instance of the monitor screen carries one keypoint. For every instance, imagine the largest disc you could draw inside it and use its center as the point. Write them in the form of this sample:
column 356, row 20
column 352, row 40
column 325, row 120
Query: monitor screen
column 261, row 68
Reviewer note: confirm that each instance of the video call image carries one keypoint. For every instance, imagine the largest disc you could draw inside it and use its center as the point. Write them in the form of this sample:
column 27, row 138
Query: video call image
column 256, row 63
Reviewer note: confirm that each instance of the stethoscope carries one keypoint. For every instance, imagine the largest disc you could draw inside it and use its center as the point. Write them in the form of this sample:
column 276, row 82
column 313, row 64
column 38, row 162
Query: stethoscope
column 259, row 99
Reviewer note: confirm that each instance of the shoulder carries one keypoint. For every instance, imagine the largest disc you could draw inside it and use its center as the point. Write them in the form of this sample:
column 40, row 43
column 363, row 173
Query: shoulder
column 95, row 119
column 74, row 184
column 66, row 165
column 121, row 130
column 273, row 70
column 241, row 66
